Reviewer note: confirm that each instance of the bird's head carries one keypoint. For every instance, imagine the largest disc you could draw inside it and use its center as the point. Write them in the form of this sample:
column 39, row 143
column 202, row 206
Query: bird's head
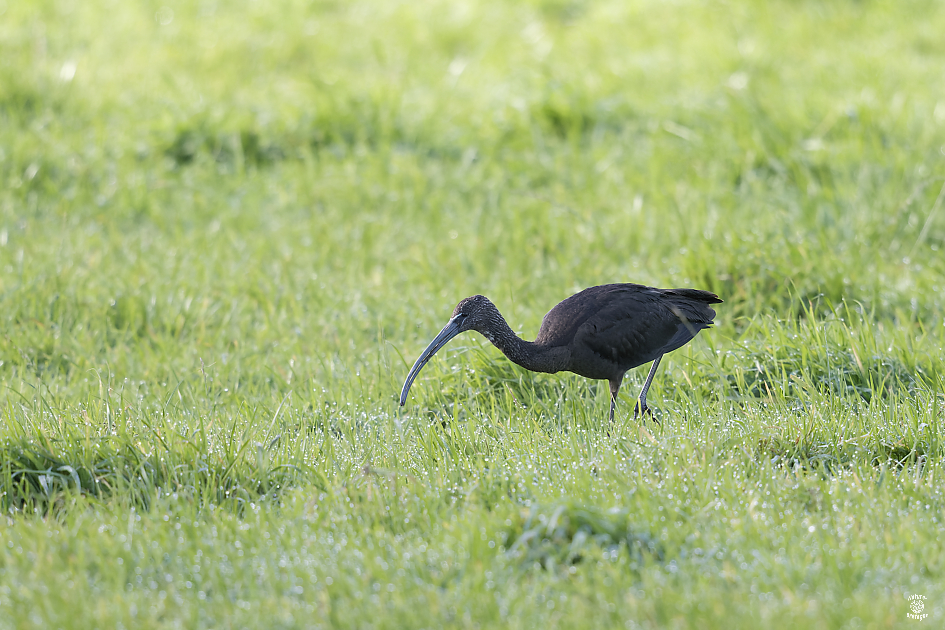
column 473, row 313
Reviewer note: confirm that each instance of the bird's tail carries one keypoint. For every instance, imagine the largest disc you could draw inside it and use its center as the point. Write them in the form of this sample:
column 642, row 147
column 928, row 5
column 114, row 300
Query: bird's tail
column 692, row 308
column 695, row 295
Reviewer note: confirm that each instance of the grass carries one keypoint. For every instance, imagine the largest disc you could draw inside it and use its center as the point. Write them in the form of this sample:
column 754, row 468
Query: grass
column 226, row 231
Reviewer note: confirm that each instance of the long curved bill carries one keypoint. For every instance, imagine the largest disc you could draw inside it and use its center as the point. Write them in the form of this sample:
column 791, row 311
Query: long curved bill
column 449, row 331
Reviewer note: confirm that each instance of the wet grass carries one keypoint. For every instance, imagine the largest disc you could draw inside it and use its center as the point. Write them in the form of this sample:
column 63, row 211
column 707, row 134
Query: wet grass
column 226, row 232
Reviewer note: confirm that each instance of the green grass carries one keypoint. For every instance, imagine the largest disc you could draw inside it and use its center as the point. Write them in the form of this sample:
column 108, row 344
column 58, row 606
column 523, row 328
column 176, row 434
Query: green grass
column 227, row 230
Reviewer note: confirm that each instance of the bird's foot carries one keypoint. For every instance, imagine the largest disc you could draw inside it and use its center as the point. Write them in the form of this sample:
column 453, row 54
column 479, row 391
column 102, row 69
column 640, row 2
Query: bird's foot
column 640, row 409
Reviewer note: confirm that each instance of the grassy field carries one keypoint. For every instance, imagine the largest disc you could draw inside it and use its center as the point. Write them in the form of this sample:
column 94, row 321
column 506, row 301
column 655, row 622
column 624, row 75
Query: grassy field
column 228, row 229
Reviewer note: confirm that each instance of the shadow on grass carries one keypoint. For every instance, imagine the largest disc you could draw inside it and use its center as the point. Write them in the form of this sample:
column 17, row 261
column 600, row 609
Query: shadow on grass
column 35, row 474
column 566, row 534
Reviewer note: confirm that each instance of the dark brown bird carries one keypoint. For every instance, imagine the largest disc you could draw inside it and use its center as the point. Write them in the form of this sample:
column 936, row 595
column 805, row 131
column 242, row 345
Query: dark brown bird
column 599, row 333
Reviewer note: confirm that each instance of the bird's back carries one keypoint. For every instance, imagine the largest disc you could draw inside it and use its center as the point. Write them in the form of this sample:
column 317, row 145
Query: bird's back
column 562, row 322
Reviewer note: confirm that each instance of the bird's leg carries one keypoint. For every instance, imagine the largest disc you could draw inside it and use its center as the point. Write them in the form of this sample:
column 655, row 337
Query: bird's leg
column 640, row 408
column 614, row 388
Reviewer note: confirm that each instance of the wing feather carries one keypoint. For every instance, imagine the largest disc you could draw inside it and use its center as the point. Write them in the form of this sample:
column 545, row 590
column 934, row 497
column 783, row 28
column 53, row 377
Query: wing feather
column 613, row 328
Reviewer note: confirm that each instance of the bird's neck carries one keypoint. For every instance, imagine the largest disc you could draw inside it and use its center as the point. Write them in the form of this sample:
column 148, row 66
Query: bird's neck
column 528, row 354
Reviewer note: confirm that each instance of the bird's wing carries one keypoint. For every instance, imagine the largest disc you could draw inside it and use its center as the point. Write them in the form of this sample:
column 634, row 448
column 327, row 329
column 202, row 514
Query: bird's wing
column 625, row 324
column 630, row 332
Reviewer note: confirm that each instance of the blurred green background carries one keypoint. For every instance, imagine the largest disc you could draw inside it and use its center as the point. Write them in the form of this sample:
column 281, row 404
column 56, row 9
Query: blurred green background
column 228, row 228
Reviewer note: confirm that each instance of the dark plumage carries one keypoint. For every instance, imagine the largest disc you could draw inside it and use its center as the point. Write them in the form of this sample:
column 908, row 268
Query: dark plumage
column 598, row 333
